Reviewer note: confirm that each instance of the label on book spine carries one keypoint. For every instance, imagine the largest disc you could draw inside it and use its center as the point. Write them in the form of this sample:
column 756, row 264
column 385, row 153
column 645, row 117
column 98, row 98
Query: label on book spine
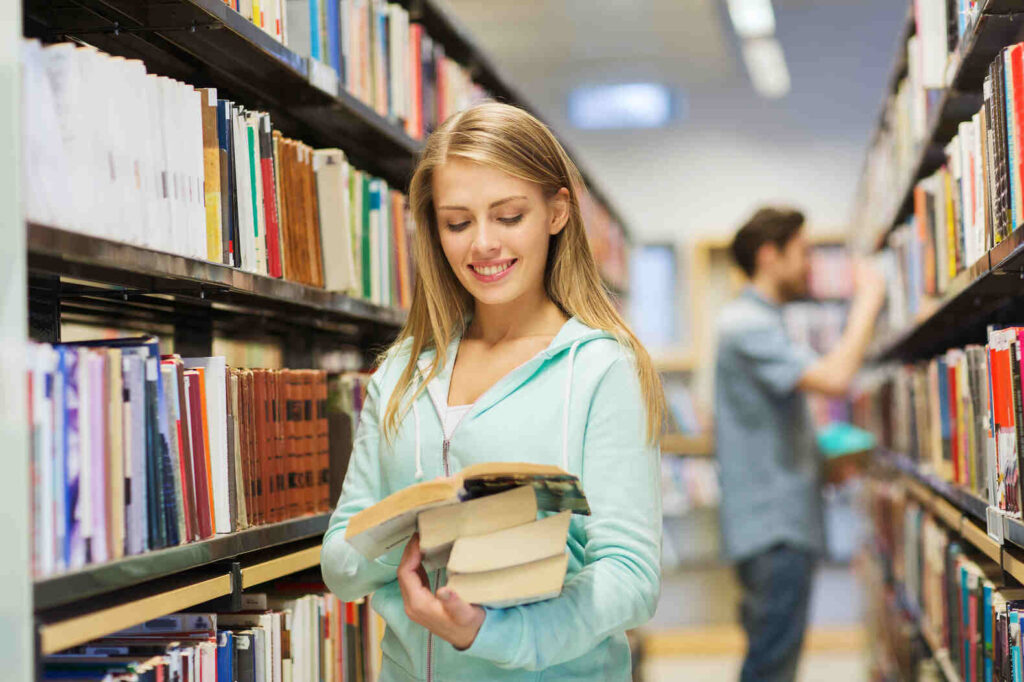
column 994, row 524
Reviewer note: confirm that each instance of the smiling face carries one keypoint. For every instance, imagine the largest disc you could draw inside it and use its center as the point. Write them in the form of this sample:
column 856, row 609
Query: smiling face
column 495, row 229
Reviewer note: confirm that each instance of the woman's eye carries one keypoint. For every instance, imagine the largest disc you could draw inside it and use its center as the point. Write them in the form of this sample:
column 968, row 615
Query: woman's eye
column 511, row 221
column 456, row 227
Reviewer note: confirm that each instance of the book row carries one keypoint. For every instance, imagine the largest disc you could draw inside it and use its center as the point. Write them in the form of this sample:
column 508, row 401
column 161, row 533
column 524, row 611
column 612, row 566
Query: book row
column 371, row 50
column 295, row 631
column 133, row 450
column 959, row 595
column 933, row 53
column 973, row 202
column 959, row 415
column 124, row 155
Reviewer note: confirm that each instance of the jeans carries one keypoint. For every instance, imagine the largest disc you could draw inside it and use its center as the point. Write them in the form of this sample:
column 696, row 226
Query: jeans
column 776, row 596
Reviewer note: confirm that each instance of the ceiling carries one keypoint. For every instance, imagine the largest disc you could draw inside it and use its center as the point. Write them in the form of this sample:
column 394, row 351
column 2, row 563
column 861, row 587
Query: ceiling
column 839, row 53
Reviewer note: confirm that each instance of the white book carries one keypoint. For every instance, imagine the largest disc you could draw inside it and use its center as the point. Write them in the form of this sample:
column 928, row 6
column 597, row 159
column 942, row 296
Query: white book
column 252, row 125
column 980, row 230
column 45, row 364
column 58, row 62
column 243, row 193
column 216, row 415
column 931, row 28
column 332, row 176
column 45, row 168
column 395, row 62
column 297, row 24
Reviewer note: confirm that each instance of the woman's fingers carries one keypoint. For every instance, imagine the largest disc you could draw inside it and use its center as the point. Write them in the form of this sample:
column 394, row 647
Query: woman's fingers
column 459, row 611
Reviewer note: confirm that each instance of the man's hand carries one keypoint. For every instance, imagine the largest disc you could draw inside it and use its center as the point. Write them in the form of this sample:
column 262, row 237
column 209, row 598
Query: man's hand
column 869, row 284
column 446, row 615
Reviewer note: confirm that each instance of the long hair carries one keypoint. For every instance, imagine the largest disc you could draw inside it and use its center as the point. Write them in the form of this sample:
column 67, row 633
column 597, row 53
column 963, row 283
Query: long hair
column 511, row 140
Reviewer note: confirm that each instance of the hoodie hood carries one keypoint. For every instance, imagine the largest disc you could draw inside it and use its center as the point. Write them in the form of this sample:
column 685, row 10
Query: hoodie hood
column 570, row 337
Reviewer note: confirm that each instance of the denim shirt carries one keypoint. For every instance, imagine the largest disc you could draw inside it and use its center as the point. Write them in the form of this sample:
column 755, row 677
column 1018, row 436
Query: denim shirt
column 769, row 466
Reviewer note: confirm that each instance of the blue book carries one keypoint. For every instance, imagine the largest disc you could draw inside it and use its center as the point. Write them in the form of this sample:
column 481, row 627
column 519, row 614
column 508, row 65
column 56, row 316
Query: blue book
column 314, row 30
column 225, row 656
column 333, row 31
column 385, row 58
column 1015, row 663
column 986, row 632
column 965, row 623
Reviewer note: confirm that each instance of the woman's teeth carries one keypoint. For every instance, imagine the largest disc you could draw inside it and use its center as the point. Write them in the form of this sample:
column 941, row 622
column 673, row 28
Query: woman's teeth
column 490, row 270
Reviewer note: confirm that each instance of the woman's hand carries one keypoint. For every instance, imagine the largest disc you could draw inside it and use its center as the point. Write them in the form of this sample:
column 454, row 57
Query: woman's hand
column 446, row 615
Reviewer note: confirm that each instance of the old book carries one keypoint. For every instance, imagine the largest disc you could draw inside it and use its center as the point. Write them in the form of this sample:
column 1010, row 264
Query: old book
column 204, row 505
column 523, row 584
column 323, row 454
column 378, row 529
column 508, row 547
column 439, row 527
column 332, row 171
column 212, row 174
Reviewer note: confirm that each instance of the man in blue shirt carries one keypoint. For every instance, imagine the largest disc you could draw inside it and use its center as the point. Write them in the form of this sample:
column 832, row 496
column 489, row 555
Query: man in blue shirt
column 771, row 511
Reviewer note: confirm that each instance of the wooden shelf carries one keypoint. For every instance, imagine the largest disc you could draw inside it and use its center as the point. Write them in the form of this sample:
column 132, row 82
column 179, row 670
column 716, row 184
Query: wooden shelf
column 281, row 566
column 56, row 591
column 154, row 277
column 687, row 446
column 77, row 630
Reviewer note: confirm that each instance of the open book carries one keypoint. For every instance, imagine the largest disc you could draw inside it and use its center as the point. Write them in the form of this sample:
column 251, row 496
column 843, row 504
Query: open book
column 391, row 522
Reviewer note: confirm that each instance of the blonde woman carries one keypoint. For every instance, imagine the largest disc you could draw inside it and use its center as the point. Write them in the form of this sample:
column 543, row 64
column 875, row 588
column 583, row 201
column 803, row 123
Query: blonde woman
column 512, row 352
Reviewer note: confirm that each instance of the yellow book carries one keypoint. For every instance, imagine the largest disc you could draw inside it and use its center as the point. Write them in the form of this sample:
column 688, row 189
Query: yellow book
column 211, row 173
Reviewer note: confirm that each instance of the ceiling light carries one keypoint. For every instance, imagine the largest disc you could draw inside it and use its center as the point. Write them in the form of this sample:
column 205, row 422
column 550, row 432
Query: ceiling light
column 752, row 18
column 767, row 66
column 624, row 105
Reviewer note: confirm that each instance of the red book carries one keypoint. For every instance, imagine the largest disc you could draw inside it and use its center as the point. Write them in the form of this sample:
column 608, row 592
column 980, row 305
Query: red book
column 199, row 463
column 270, row 198
column 1018, row 105
column 184, row 452
column 954, row 431
column 416, row 64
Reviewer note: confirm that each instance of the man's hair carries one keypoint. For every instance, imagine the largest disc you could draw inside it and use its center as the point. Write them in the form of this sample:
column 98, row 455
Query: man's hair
column 767, row 226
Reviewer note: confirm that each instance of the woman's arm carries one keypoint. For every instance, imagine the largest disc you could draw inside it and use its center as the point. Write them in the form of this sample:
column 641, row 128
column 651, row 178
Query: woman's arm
column 620, row 583
column 348, row 573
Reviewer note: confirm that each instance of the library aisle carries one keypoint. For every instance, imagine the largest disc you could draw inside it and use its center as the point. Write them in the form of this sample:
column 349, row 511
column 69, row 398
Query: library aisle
column 390, row 340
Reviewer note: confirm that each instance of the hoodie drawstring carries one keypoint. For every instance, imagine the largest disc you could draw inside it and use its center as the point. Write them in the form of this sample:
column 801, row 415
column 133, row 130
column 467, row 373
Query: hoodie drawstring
column 565, row 419
column 416, row 420
column 565, row 409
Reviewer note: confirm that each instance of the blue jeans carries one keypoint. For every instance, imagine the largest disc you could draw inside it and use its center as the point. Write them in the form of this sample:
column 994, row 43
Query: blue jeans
column 776, row 596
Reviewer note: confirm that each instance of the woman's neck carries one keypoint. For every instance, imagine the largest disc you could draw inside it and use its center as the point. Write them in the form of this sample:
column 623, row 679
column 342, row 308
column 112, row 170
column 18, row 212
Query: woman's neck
column 534, row 315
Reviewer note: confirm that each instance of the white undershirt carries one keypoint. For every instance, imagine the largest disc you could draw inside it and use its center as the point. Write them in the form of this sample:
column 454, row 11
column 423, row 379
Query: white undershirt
column 452, row 416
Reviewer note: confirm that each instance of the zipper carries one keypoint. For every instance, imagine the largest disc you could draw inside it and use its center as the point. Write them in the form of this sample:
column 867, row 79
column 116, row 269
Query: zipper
column 437, row 574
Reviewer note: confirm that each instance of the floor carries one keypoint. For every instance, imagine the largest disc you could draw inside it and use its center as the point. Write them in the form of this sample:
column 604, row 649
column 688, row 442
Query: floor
column 694, row 636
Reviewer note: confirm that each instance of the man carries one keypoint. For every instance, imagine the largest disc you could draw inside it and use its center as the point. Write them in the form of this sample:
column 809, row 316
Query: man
column 771, row 511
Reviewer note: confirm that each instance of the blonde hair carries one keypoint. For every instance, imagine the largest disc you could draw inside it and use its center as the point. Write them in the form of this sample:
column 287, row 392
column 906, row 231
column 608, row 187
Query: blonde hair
column 511, row 140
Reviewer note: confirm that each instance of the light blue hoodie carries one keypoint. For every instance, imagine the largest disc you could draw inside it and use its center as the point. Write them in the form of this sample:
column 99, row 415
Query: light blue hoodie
column 576, row 404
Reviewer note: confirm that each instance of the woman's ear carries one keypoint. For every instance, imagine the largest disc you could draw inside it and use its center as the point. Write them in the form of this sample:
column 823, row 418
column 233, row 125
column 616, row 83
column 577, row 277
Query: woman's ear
column 559, row 208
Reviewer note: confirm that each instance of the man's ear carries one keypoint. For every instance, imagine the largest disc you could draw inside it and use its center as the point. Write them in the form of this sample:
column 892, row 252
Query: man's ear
column 766, row 254
column 559, row 207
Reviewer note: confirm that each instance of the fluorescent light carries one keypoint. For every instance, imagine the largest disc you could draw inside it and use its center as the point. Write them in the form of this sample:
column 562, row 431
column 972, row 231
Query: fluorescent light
column 625, row 105
column 752, row 18
column 767, row 66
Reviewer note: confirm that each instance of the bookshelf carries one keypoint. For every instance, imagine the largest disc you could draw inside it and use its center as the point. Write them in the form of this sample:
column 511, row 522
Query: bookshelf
column 72, row 276
column 204, row 42
column 998, row 25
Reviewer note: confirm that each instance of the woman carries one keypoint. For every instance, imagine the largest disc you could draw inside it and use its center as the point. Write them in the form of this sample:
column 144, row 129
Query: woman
column 512, row 352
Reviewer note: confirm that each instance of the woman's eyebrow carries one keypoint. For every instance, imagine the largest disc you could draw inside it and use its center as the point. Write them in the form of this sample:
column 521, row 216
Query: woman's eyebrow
column 499, row 202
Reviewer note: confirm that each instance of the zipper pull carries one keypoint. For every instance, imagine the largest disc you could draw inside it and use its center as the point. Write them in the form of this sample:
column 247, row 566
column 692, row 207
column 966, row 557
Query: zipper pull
column 444, row 456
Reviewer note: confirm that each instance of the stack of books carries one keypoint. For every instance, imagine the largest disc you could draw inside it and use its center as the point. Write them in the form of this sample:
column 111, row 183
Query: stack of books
column 482, row 526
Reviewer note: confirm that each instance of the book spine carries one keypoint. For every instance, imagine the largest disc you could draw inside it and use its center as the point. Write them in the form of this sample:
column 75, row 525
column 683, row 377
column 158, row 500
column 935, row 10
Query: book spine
column 270, row 197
